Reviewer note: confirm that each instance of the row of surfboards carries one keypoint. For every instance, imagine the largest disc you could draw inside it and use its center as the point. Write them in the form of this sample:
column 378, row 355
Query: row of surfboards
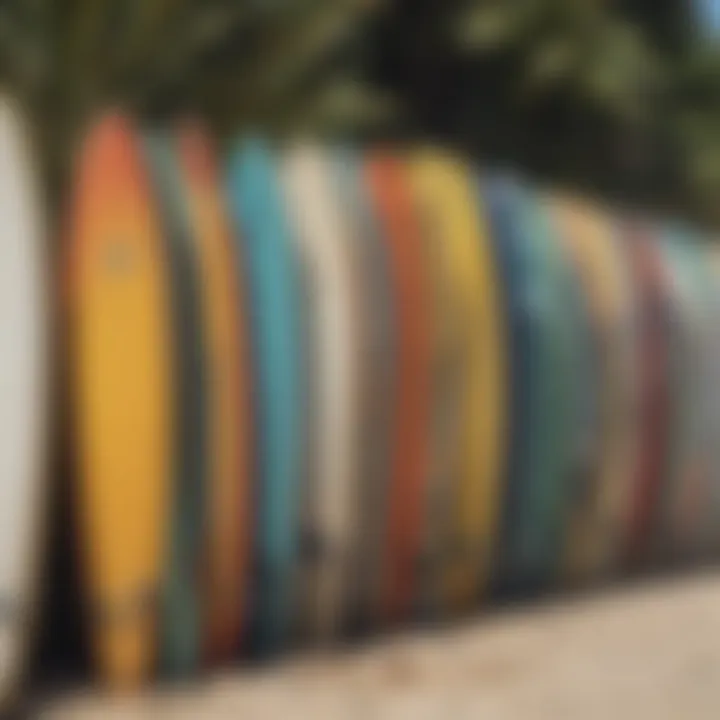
column 317, row 391
column 320, row 391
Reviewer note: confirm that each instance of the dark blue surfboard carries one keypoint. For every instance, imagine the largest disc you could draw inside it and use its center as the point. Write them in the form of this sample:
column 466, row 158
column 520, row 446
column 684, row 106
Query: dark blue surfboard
column 500, row 196
column 552, row 436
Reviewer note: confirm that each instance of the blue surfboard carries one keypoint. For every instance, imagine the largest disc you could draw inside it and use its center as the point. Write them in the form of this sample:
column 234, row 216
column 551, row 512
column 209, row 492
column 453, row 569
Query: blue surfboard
column 543, row 357
column 500, row 196
column 552, row 435
column 257, row 208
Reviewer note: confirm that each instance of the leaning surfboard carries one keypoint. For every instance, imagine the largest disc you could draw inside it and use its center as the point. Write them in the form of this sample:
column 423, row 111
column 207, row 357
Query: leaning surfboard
column 476, row 359
column 652, row 358
column 687, row 493
column 24, row 378
column 703, row 478
column 536, row 289
column 377, row 339
column 324, row 247
column 583, row 379
column 180, row 622
column 227, row 507
column 713, row 268
column 265, row 246
column 594, row 544
column 499, row 195
column 122, row 374
column 623, row 410
column 569, row 375
column 552, row 446
column 446, row 385
column 389, row 188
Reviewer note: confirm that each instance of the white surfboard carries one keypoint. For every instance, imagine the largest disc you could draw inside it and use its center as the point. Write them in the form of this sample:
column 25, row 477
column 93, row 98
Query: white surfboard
column 332, row 372
column 376, row 350
column 24, row 396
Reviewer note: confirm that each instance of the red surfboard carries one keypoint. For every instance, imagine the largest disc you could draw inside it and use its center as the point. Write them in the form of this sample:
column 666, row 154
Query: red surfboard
column 653, row 375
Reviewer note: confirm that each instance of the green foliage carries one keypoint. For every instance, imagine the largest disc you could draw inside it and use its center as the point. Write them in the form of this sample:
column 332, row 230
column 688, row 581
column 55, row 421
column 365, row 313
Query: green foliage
column 579, row 47
column 236, row 62
column 598, row 90
column 695, row 124
column 616, row 94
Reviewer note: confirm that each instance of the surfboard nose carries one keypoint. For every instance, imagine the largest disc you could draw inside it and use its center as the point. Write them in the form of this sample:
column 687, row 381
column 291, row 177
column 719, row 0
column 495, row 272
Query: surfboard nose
column 111, row 143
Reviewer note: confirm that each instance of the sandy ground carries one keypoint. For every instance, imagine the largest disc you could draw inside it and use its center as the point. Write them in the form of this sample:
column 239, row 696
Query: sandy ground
column 651, row 651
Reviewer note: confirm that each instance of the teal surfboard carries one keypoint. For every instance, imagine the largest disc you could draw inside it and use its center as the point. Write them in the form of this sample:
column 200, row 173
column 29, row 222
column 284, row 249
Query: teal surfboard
column 180, row 612
column 502, row 196
column 553, row 442
column 582, row 391
column 263, row 233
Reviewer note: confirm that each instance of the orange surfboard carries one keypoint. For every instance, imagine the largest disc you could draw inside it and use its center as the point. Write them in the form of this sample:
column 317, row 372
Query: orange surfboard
column 228, row 500
column 389, row 185
column 121, row 369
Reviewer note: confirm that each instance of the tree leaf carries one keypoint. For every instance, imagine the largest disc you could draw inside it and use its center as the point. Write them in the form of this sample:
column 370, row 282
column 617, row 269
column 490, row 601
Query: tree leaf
column 491, row 25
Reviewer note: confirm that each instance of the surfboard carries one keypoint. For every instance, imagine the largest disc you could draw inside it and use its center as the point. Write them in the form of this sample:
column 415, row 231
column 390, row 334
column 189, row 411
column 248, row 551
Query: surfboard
column 389, row 189
column 445, row 389
column 594, row 546
column 579, row 369
column 266, row 248
column 181, row 621
column 228, row 513
column 376, row 341
column 551, row 441
column 625, row 417
column 713, row 267
column 483, row 412
column 499, row 196
column 669, row 539
column 687, row 491
column 471, row 380
column 24, row 392
column 122, row 373
column 705, row 451
column 324, row 246
column 664, row 541
column 653, row 377
column 572, row 227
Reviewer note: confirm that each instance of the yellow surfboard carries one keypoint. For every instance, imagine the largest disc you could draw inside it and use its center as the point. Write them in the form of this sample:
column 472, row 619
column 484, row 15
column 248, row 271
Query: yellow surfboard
column 228, row 492
column 121, row 370
column 447, row 389
column 451, row 202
